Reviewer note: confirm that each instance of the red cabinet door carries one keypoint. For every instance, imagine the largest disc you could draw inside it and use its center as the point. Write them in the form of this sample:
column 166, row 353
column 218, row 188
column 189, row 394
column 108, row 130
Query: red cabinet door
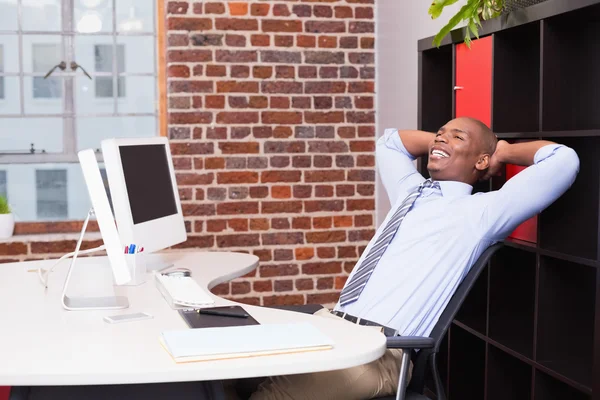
column 474, row 99
column 474, row 80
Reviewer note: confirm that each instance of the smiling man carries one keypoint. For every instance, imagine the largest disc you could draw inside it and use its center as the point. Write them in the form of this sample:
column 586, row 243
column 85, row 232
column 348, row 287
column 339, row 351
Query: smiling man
column 435, row 231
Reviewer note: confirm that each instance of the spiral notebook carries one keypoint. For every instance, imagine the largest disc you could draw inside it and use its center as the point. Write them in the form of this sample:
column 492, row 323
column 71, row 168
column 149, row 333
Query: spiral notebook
column 193, row 345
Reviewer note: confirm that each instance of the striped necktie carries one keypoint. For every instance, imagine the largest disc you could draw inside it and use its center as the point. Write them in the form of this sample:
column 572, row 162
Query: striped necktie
column 352, row 289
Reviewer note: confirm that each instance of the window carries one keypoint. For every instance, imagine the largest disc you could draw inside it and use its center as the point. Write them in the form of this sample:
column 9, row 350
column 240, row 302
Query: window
column 101, row 55
column 3, row 189
column 51, row 190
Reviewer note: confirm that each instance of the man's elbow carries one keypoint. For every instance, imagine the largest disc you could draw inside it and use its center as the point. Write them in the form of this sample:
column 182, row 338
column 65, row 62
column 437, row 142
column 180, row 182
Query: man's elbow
column 570, row 163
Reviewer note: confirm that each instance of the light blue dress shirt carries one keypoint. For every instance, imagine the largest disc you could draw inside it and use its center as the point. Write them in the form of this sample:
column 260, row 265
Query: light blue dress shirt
column 444, row 234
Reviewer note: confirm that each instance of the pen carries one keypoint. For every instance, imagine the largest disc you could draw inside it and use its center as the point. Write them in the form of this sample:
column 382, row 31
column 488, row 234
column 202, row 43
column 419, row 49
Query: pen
column 221, row 313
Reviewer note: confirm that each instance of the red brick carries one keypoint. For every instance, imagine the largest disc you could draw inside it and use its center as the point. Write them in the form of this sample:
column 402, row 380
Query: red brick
column 194, row 178
column 254, row 301
column 236, row 24
column 262, row 286
column 182, row 163
column 322, row 222
column 188, row 86
column 283, row 254
column 239, row 148
column 175, row 40
column 360, row 205
column 332, row 267
column 260, row 40
column 16, row 248
column 268, row 271
column 237, row 117
column 238, row 240
column 323, row 161
column 308, row 72
column 325, row 27
column 327, row 42
column 326, row 237
column 361, row 235
column 357, row 175
column 185, row 194
column 262, row 72
column 280, row 238
column 214, row 8
column 237, row 207
column 343, row 12
column 323, row 11
column 179, row 103
column 214, row 101
column 207, row 40
column 284, row 285
column 365, row 190
column 198, row 209
column 221, row 289
column 259, row 224
column 189, row 56
column 197, row 8
column 363, row 220
column 301, row 102
column 189, row 24
column 240, row 287
column 324, row 117
column 238, row 8
column 259, row 192
column 291, row 299
column 361, row 87
column 306, row 41
column 328, row 72
column 304, row 284
column 280, row 223
column 323, row 191
column 274, row 207
column 325, row 283
column 367, row 42
column 280, row 176
column 324, row 176
column 240, row 71
column 304, row 253
column 216, row 70
column 276, row 25
column 323, row 102
column 237, row 87
column 216, row 133
column 362, row 58
column 259, row 9
column 301, row 223
column 258, row 102
column 236, row 56
column 282, row 132
column 362, row 146
column 281, row 192
column 280, row 102
column 302, row 191
column 217, row 225
column 284, row 41
column 199, row 193
column 325, row 87
column 361, row 27
column 215, row 163
column 364, row 12
column 177, row 7
column 281, row 86
column 196, row 242
column 281, row 10
column 238, row 224
column 184, row 118
column 365, row 117
column 344, row 190
column 237, row 177
column 270, row 117
column 191, row 148
column 363, row 102
column 262, row 132
column 302, row 10
column 263, row 255
column 323, row 205
column 322, row 298
column 366, row 131
column 179, row 71
column 347, row 252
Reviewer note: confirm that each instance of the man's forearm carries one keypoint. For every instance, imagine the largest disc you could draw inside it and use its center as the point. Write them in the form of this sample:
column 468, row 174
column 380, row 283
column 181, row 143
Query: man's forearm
column 521, row 153
column 416, row 142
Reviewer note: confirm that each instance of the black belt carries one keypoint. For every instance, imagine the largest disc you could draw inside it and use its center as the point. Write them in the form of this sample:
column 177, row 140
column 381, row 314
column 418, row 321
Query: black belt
column 387, row 331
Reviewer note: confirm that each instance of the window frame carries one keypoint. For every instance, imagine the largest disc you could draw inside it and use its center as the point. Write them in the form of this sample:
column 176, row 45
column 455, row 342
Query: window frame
column 71, row 226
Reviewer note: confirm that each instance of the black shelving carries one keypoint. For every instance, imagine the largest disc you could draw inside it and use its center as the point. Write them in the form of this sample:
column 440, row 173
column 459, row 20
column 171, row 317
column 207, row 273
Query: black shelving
column 467, row 365
column 570, row 224
column 512, row 299
column 473, row 312
column 565, row 341
column 548, row 388
column 508, row 377
column 516, row 78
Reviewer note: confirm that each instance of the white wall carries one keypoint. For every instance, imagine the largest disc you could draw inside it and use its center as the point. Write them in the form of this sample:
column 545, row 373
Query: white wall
column 400, row 24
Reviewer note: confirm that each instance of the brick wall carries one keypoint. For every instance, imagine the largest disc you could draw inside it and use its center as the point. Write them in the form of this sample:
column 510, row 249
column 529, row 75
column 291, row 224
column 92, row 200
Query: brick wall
column 271, row 121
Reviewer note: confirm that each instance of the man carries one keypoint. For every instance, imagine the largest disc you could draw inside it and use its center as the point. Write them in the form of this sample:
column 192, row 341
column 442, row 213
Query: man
column 435, row 231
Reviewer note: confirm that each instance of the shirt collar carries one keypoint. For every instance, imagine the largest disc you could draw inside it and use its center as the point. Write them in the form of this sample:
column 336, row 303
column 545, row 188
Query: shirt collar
column 452, row 189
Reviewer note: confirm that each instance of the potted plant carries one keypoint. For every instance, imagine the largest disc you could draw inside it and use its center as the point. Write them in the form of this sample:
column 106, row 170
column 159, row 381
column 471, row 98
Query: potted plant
column 472, row 13
column 7, row 220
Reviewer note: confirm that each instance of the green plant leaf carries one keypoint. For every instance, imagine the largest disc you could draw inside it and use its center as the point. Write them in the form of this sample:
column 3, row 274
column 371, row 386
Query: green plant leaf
column 464, row 13
column 4, row 207
column 436, row 8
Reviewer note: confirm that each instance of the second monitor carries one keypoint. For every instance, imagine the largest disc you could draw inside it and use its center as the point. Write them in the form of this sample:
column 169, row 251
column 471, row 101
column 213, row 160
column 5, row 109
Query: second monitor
column 144, row 192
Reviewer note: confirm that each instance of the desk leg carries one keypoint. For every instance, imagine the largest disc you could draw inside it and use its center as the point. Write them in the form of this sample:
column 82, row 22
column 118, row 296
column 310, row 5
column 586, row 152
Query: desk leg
column 210, row 390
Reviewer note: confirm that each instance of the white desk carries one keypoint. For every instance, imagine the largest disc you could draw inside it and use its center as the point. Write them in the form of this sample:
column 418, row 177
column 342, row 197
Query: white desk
column 42, row 344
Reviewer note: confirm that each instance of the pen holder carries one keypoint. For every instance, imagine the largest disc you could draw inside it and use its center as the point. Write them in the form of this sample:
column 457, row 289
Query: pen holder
column 137, row 268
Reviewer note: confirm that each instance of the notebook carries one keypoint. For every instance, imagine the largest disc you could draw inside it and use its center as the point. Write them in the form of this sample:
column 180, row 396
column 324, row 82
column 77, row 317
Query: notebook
column 192, row 345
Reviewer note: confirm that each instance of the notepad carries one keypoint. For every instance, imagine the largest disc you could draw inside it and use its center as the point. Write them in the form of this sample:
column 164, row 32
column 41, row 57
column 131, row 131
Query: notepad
column 192, row 345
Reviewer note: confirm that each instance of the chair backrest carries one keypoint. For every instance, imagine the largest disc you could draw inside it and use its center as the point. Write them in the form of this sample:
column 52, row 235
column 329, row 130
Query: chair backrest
column 441, row 327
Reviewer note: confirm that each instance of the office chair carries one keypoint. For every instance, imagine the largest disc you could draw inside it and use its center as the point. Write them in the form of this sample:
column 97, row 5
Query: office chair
column 428, row 346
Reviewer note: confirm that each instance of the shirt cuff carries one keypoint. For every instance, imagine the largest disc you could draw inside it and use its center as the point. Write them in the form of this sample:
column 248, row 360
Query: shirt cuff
column 392, row 140
column 545, row 152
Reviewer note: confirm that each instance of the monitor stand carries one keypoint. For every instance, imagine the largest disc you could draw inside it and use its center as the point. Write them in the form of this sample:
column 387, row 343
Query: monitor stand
column 89, row 303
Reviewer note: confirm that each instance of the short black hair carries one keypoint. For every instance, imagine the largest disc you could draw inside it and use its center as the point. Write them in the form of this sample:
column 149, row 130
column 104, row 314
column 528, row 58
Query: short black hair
column 489, row 139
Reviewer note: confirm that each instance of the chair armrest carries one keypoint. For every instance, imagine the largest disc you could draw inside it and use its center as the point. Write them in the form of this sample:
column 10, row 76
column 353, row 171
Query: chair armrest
column 410, row 342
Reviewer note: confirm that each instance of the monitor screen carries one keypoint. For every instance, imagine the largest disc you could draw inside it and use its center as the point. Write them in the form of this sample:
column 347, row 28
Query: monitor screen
column 148, row 181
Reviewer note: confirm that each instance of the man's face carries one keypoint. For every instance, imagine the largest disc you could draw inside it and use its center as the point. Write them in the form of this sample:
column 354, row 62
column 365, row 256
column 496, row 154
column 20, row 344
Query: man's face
column 455, row 152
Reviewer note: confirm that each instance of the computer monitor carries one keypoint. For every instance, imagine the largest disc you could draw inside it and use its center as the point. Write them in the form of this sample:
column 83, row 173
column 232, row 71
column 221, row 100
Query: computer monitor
column 144, row 192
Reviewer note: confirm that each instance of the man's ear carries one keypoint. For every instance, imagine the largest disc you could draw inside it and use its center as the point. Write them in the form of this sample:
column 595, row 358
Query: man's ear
column 483, row 162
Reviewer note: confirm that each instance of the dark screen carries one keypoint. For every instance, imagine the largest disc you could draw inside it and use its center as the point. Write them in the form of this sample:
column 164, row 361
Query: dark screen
column 148, row 181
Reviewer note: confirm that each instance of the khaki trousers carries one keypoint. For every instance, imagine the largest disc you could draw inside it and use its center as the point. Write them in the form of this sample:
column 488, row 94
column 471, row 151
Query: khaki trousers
column 375, row 379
